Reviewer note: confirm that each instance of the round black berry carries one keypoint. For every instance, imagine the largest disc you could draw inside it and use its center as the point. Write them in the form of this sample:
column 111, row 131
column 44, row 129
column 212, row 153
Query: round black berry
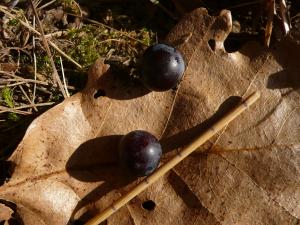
column 162, row 67
column 140, row 152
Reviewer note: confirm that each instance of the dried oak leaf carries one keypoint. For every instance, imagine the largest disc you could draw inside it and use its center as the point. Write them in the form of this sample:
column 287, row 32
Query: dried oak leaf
column 66, row 165
column 5, row 213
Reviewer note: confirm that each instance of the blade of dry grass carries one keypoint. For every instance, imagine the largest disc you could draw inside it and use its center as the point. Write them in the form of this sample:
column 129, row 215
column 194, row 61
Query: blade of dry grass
column 63, row 76
column 34, row 62
column 46, row 5
column 269, row 26
column 20, row 79
column 18, row 110
column 56, row 34
column 244, row 4
column 65, row 55
column 4, row 109
column 286, row 24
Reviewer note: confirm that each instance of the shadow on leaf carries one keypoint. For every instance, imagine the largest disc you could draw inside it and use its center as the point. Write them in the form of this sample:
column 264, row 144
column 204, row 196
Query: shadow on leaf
column 284, row 79
column 181, row 188
column 120, row 86
column 185, row 137
column 287, row 55
column 97, row 160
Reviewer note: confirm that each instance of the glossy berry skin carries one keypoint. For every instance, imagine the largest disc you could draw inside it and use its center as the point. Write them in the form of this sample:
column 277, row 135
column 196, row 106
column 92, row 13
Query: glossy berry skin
column 162, row 67
column 140, row 152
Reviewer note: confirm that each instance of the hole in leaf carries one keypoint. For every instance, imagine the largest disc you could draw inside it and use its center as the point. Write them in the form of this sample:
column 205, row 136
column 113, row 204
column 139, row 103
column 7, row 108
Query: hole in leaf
column 212, row 44
column 149, row 205
column 99, row 93
column 80, row 222
column 232, row 45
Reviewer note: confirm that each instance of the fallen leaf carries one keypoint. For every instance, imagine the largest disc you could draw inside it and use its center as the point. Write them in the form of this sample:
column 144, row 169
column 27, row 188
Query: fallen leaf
column 5, row 213
column 66, row 165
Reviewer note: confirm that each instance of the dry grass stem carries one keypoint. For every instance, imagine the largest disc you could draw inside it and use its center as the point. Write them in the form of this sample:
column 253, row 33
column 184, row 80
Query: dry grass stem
column 65, row 55
column 34, row 105
column 19, row 79
column 56, row 34
column 34, row 62
column 4, row 109
column 269, row 26
column 46, row 5
column 286, row 22
column 244, row 4
column 18, row 110
column 12, row 85
column 64, row 78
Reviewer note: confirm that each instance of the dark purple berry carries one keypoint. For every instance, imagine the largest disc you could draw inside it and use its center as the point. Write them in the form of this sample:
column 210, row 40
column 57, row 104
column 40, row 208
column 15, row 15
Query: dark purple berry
column 162, row 67
column 140, row 152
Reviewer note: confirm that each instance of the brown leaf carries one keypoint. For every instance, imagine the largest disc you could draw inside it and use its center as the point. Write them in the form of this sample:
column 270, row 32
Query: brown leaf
column 5, row 213
column 66, row 165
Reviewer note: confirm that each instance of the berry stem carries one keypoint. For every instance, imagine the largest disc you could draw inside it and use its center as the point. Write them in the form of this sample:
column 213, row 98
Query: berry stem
column 219, row 125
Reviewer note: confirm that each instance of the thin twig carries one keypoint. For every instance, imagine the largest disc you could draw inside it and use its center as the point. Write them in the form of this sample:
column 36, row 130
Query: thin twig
column 18, row 61
column 34, row 62
column 4, row 109
column 56, row 34
column 244, row 4
column 64, row 78
column 269, row 26
column 111, row 39
column 286, row 24
column 65, row 55
column 6, row 73
column 3, row 81
column 37, row 105
column 12, row 85
column 46, row 5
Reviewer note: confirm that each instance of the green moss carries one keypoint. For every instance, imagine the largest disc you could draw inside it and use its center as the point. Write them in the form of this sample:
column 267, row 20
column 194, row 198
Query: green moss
column 91, row 42
column 86, row 49
column 56, row 98
column 13, row 117
column 146, row 36
column 43, row 63
column 13, row 22
column 7, row 96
